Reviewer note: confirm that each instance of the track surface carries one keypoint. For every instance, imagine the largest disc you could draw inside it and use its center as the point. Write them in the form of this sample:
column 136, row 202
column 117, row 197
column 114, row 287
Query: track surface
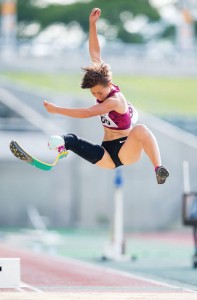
column 48, row 277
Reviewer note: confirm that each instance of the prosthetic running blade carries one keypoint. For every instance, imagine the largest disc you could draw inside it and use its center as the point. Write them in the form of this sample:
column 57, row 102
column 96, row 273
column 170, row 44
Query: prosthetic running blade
column 21, row 154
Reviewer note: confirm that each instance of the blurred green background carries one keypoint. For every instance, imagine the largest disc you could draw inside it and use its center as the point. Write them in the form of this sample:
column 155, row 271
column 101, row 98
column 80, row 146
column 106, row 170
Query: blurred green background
column 156, row 95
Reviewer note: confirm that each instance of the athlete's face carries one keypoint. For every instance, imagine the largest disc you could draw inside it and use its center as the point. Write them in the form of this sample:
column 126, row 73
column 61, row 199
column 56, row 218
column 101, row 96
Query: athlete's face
column 101, row 92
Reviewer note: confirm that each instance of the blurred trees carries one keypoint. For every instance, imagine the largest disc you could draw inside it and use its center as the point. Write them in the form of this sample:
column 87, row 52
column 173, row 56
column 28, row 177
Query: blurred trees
column 29, row 12
column 116, row 19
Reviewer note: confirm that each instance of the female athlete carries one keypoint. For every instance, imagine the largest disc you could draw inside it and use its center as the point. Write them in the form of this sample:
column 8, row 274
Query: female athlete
column 123, row 143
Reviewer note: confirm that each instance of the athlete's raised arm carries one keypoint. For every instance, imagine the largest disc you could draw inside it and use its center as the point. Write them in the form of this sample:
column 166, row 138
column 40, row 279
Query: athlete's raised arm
column 94, row 47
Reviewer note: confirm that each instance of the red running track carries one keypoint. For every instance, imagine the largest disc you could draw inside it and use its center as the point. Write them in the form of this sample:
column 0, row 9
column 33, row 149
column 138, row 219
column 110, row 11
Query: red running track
column 55, row 274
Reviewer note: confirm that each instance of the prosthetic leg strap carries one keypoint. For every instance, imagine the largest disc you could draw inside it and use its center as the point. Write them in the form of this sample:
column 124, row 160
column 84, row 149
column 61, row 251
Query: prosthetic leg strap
column 85, row 149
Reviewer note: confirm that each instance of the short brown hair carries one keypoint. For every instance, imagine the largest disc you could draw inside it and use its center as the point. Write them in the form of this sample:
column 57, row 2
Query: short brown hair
column 96, row 74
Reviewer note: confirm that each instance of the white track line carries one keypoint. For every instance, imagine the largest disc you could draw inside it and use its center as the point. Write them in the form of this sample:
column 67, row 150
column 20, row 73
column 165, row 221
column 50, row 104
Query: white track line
column 25, row 285
column 123, row 273
column 20, row 290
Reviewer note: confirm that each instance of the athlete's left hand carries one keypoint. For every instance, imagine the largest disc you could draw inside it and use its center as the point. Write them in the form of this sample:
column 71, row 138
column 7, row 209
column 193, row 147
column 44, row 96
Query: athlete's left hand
column 50, row 107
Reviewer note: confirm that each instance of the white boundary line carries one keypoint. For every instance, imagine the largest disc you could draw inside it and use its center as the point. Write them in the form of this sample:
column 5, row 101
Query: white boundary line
column 25, row 285
column 124, row 273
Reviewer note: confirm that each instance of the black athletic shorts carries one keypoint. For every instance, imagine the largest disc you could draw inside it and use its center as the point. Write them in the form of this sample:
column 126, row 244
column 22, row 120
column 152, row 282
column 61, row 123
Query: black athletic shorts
column 113, row 147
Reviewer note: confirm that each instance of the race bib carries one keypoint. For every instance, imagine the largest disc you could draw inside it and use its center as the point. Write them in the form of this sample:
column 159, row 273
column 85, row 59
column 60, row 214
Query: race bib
column 106, row 121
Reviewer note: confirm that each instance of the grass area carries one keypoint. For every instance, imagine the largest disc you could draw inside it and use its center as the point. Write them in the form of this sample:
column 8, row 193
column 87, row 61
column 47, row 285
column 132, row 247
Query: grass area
column 92, row 243
column 136, row 246
column 157, row 95
column 160, row 95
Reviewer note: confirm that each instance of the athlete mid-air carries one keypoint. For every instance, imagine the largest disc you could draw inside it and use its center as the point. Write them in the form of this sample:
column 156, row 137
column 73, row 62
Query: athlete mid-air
column 123, row 143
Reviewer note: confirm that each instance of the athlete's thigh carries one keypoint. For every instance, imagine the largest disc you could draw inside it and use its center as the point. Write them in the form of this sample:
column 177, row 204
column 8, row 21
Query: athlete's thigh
column 106, row 161
column 132, row 149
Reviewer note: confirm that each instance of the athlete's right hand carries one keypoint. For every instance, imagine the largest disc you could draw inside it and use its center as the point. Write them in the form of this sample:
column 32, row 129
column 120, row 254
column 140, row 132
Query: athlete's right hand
column 94, row 15
column 50, row 107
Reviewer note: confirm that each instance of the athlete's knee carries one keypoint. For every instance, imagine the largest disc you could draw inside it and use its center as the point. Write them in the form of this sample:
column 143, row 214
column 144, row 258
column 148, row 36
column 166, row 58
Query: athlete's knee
column 141, row 128
column 140, row 131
